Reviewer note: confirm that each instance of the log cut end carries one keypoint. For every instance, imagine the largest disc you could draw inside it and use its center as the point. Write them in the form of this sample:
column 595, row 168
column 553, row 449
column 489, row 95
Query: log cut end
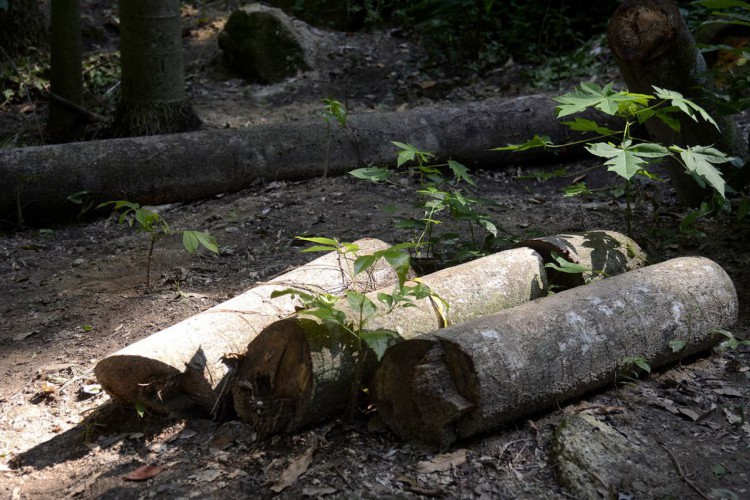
column 643, row 30
column 158, row 386
column 416, row 395
column 285, row 370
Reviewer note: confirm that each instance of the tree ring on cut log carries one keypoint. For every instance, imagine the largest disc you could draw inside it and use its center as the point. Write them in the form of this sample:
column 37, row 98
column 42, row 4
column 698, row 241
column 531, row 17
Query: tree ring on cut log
column 644, row 32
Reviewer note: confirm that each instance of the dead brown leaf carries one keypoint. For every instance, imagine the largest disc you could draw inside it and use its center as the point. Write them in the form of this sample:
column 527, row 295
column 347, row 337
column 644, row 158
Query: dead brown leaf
column 144, row 472
column 295, row 469
column 443, row 462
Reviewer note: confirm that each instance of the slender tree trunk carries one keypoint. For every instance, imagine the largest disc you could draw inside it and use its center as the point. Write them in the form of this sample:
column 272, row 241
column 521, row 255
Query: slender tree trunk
column 66, row 68
column 153, row 83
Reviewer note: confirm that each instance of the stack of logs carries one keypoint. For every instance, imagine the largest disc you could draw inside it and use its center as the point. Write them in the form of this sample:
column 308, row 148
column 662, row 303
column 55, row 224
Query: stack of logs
column 512, row 347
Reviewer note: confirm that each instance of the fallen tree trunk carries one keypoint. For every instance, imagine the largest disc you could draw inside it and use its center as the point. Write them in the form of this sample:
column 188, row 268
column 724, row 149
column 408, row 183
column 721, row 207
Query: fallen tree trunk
column 185, row 363
column 298, row 371
column 474, row 377
column 653, row 46
column 37, row 181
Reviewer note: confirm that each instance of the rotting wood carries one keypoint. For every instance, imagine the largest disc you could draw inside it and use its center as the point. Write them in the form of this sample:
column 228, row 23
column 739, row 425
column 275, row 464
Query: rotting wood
column 536, row 355
column 185, row 167
column 298, row 371
column 183, row 364
column 653, row 46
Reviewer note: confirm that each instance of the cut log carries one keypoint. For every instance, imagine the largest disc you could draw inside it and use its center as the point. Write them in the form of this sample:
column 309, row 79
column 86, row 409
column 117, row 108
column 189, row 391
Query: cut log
column 479, row 375
column 653, row 46
column 184, row 167
column 298, row 371
column 601, row 253
column 185, row 362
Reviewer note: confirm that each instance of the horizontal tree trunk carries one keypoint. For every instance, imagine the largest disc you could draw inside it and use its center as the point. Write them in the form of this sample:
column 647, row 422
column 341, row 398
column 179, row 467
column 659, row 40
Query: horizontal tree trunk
column 474, row 377
column 298, row 371
column 186, row 362
column 653, row 46
column 37, row 181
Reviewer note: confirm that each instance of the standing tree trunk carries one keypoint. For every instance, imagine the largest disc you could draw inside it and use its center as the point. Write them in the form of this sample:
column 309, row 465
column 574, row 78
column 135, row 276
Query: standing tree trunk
column 153, row 83
column 21, row 27
column 66, row 78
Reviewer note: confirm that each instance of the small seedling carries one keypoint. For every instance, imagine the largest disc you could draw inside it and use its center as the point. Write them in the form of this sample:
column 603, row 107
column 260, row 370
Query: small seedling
column 630, row 368
column 151, row 223
column 440, row 191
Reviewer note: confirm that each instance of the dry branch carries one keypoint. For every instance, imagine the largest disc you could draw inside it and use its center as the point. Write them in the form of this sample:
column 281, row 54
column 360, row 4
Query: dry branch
column 185, row 360
column 476, row 376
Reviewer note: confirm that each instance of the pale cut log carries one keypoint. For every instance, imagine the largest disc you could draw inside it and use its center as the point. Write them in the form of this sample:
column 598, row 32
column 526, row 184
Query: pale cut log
column 298, row 371
column 603, row 253
column 653, row 46
column 37, row 181
column 476, row 376
column 185, row 360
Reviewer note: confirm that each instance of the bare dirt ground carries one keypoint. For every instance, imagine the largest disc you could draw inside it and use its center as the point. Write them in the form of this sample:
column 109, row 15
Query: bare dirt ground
column 72, row 294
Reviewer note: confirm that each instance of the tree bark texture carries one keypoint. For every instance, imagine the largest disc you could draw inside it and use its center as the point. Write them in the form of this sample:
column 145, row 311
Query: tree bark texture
column 185, row 361
column 298, row 371
column 476, row 376
column 186, row 167
column 153, row 75
column 66, row 68
column 653, row 46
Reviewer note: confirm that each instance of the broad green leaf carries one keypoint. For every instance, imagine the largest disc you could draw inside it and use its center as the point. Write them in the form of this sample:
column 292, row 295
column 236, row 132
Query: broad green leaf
column 374, row 174
column 700, row 160
column 461, row 172
column 360, row 304
column 191, row 240
column 628, row 160
column 321, row 241
column 305, row 297
column 577, row 189
column 378, row 340
column 685, row 105
column 565, row 266
column 488, row 226
column 401, row 264
column 722, row 4
column 585, row 125
column 364, row 262
column 535, row 142
column 605, row 99
column 386, row 299
column 677, row 345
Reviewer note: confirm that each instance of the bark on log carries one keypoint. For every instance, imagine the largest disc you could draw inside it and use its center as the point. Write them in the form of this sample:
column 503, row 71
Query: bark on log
column 653, row 46
column 297, row 372
column 477, row 376
column 183, row 363
column 603, row 253
column 185, row 167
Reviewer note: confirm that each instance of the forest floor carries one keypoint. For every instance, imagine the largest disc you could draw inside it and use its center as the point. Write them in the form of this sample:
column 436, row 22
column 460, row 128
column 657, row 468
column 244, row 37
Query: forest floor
column 72, row 294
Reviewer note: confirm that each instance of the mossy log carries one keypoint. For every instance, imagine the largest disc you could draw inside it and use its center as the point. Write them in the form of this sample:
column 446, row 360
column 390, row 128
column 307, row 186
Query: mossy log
column 476, row 376
column 186, row 362
column 653, row 46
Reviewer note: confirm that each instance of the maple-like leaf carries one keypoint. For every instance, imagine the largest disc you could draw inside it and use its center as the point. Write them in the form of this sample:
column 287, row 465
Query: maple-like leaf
column 628, row 159
column 699, row 162
column 605, row 99
column 685, row 105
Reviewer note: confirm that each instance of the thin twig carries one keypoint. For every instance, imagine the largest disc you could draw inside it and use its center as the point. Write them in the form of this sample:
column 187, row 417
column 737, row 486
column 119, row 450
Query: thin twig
column 682, row 475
